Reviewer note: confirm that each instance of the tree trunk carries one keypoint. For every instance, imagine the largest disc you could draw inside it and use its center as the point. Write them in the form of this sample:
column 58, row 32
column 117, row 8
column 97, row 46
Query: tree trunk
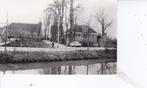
column 70, row 70
column 59, row 70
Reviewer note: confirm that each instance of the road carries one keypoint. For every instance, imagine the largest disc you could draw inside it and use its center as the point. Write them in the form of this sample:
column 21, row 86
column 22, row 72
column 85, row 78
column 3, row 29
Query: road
column 58, row 47
column 50, row 49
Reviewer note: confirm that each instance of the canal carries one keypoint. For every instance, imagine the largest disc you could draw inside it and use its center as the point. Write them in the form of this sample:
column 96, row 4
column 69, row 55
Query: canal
column 83, row 67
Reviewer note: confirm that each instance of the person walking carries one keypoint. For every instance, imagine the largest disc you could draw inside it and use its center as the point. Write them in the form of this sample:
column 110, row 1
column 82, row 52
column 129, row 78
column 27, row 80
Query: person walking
column 53, row 44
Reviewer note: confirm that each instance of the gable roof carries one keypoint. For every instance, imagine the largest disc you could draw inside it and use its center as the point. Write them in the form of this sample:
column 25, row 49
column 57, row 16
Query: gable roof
column 23, row 26
column 82, row 28
column 23, row 29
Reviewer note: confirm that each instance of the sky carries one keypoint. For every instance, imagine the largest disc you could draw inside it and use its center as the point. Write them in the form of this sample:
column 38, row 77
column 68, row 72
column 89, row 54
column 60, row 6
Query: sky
column 31, row 11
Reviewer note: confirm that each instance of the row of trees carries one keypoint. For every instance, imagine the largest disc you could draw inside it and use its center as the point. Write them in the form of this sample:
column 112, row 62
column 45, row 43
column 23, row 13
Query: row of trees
column 60, row 14
column 63, row 14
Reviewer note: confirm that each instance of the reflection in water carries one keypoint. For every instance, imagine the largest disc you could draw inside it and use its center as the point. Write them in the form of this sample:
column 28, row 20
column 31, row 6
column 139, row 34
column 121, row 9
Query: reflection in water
column 96, row 68
column 103, row 68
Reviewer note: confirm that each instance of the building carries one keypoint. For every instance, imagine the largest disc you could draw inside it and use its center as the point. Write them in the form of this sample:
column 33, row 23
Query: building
column 24, row 30
column 84, row 34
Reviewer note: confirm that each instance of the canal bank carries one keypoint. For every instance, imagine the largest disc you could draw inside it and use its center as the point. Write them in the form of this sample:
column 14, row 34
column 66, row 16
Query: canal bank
column 37, row 56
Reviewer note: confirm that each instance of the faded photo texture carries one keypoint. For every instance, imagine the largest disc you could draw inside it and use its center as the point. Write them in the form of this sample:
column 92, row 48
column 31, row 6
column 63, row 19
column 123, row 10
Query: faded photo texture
column 58, row 37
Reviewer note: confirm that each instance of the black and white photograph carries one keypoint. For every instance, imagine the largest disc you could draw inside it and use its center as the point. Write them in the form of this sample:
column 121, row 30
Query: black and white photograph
column 58, row 37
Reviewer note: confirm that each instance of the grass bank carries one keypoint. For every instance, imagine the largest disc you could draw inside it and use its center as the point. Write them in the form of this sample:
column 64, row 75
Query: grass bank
column 27, row 57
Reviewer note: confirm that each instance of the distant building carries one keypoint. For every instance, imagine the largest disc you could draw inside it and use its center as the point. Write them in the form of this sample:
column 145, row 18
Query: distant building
column 83, row 34
column 24, row 30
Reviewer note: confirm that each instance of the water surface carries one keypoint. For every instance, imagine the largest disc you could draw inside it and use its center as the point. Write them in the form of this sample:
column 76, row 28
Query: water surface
column 60, row 67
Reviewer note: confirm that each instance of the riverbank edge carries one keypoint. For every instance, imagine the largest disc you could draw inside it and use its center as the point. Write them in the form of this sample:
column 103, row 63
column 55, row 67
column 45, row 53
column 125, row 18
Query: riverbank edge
column 40, row 56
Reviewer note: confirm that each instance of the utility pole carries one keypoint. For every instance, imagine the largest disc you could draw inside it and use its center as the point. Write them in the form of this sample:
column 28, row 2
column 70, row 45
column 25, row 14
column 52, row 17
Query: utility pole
column 6, row 32
column 58, row 34
column 88, row 35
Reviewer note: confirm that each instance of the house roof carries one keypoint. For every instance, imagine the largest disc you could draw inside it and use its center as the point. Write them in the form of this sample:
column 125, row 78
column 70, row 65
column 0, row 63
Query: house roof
column 23, row 26
column 15, row 29
column 82, row 28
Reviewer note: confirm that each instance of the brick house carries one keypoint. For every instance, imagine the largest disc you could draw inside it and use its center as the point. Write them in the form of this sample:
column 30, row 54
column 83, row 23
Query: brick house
column 83, row 34
column 24, row 30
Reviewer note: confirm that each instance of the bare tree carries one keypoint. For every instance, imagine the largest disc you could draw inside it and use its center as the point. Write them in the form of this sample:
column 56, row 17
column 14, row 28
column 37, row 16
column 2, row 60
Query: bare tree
column 71, row 13
column 39, row 29
column 64, row 12
column 57, row 9
column 67, row 26
column 104, row 22
column 74, row 12
column 47, row 23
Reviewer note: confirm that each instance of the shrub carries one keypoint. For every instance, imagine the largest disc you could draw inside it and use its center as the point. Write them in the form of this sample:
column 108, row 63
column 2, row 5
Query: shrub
column 26, row 57
column 6, row 57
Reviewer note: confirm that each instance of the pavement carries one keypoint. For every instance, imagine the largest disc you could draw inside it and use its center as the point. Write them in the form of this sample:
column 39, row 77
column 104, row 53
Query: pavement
column 56, row 44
